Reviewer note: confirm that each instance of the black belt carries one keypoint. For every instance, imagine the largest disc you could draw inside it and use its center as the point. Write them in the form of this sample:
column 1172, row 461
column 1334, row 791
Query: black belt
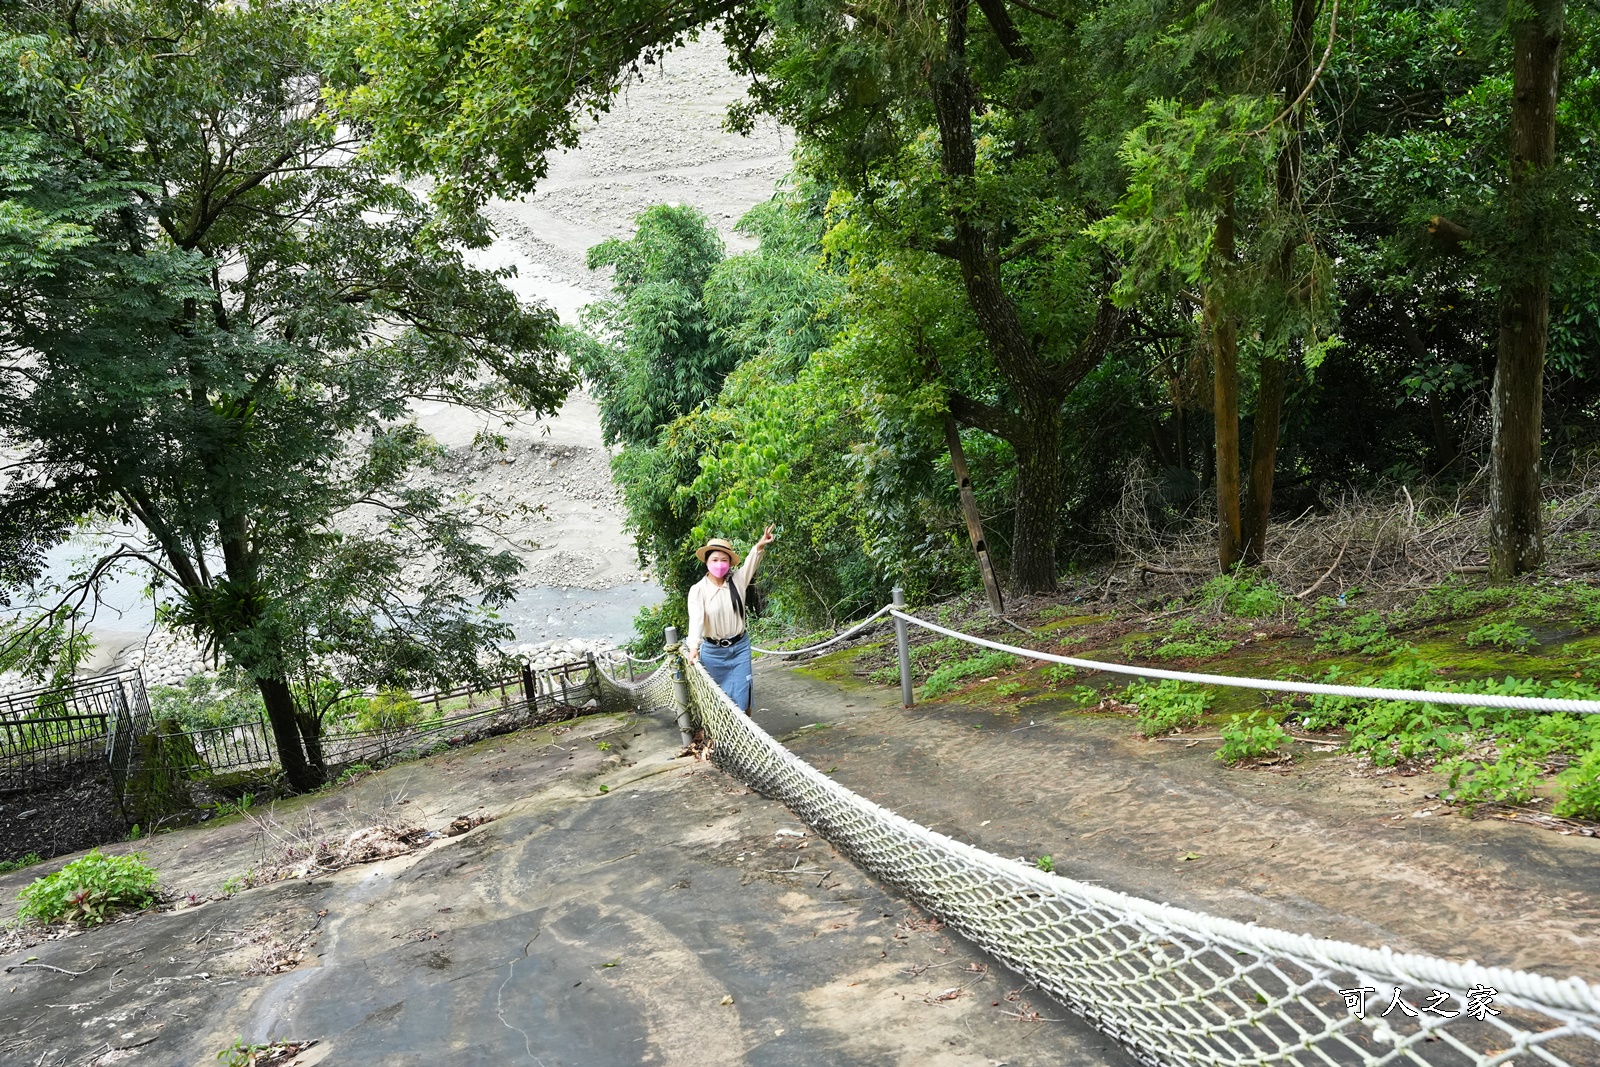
column 725, row 642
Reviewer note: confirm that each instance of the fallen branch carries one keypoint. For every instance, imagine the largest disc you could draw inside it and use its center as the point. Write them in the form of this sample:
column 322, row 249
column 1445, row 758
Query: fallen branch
column 50, row 967
column 1318, row 583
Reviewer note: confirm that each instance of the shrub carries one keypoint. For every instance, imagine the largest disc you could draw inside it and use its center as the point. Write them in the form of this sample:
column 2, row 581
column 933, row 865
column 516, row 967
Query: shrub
column 1165, row 707
column 89, row 889
column 947, row 678
column 389, row 711
column 1250, row 737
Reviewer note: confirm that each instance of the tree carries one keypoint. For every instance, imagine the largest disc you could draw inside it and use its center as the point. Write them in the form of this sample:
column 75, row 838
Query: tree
column 1516, row 536
column 215, row 314
column 865, row 89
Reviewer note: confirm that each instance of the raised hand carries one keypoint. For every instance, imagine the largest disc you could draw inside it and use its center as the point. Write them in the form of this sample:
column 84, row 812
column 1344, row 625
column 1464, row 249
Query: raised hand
column 766, row 538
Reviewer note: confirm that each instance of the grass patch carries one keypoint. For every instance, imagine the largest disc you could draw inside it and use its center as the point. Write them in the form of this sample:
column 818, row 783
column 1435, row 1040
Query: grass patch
column 948, row 677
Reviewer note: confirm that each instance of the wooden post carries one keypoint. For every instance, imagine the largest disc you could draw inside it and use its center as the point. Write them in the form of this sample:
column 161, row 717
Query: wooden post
column 680, row 687
column 969, row 509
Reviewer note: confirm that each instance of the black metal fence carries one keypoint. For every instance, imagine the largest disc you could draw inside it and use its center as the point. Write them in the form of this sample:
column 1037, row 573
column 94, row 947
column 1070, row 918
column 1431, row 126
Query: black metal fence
column 53, row 741
column 46, row 733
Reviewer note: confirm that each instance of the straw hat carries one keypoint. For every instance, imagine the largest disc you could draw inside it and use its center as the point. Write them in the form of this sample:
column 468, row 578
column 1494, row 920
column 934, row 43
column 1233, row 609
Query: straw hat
column 717, row 544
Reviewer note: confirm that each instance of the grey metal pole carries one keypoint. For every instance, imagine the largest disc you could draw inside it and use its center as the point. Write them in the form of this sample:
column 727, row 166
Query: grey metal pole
column 680, row 689
column 899, row 600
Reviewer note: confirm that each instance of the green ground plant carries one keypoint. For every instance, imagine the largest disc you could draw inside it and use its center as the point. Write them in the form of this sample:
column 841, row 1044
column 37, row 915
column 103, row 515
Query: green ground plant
column 1060, row 675
column 1339, row 630
column 89, row 890
column 1579, row 787
column 26, row 860
column 1191, row 638
column 1507, row 635
column 1251, row 736
column 1168, row 706
column 1244, row 594
column 234, row 807
column 949, row 676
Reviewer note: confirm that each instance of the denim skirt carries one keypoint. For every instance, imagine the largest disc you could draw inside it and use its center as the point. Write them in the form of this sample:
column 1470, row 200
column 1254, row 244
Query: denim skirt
column 730, row 669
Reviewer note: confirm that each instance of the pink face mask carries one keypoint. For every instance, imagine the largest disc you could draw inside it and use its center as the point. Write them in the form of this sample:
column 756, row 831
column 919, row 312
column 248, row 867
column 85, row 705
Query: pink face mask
column 718, row 568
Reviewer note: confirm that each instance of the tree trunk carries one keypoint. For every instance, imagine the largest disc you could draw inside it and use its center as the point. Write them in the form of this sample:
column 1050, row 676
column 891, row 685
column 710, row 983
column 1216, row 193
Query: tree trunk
column 969, row 511
column 1038, row 504
column 279, row 702
column 1268, row 424
column 1516, row 533
column 1221, row 329
column 1263, row 459
column 1038, row 387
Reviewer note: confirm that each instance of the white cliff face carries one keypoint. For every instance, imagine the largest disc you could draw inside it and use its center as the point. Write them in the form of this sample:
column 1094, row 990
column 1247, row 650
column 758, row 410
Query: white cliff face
column 662, row 142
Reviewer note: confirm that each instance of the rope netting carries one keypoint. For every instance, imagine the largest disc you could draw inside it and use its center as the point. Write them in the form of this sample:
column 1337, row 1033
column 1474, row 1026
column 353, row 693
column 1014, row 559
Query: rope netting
column 1176, row 987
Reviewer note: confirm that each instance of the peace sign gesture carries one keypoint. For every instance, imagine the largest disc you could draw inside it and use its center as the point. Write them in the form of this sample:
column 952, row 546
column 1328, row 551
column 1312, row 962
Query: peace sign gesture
column 766, row 539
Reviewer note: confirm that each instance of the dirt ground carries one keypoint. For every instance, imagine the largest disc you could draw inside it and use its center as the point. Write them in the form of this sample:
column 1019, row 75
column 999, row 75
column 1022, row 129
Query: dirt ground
column 1318, row 846
column 674, row 918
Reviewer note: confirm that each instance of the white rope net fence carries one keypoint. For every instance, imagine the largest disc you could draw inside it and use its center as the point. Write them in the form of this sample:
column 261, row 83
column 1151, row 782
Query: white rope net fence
column 1175, row 987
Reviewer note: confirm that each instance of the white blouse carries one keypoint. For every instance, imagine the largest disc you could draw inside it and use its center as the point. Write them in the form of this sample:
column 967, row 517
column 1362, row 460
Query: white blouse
column 711, row 611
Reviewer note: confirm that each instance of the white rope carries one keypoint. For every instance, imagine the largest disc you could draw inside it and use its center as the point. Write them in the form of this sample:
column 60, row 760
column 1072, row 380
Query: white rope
column 1361, row 692
column 1176, row 987
column 791, row 652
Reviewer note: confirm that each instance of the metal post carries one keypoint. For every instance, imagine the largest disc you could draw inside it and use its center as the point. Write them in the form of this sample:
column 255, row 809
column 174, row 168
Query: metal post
column 680, row 689
column 530, row 689
column 899, row 600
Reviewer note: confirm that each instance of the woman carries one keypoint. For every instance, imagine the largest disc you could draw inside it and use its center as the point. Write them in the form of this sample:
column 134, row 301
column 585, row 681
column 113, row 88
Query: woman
column 717, row 637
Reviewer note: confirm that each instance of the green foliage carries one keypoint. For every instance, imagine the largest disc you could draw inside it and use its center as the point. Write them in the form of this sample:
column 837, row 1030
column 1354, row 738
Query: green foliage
column 1060, row 675
column 220, row 342
column 1190, row 637
column 89, row 890
column 1341, row 631
column 1251, row 736
column 1245, row 594
column 205, row 701
column 1046, row 864
column 237, row 806
column 1167, row 706
column 1086, row 695
column 27, row 859
column 1008, row 689
column 1509, row 779
column 652, row 354
column 1579, row 788
column 390, row 711
column 1508, row 635
column 948, row 677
